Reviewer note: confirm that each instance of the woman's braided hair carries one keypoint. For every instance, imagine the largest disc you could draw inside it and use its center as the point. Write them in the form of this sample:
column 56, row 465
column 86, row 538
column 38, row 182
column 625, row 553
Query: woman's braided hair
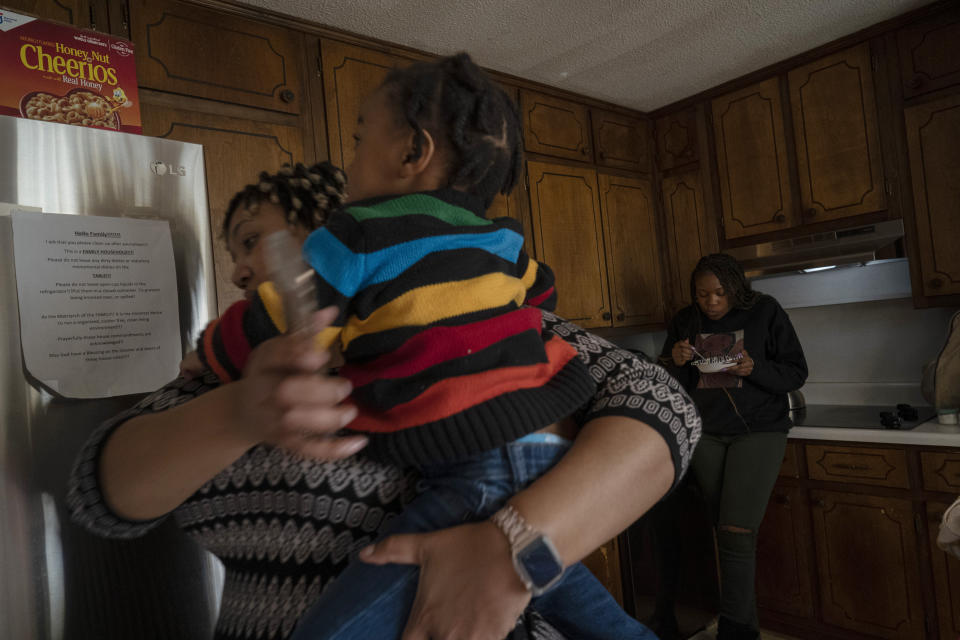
column 473, row 121
column 732, row 279
column 306, row 194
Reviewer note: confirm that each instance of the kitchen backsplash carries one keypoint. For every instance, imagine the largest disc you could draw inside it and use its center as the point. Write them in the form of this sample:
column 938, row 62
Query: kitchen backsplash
column 858, row 353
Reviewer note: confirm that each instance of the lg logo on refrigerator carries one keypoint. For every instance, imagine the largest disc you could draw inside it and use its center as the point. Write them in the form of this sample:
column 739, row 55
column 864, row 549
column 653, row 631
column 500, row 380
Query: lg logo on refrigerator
column 164, row 169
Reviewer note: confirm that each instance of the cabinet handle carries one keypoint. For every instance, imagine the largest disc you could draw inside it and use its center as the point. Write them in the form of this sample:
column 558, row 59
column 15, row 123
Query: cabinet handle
column 606, row 315
column 915, row 82
column 287, row 96
column 852, row 467
column 936, row 283
column 811, row 213
column 820, row 503
column 602, row 155
column 782, row 499
column 584, row 151
column 620, row 316
column 779, row 217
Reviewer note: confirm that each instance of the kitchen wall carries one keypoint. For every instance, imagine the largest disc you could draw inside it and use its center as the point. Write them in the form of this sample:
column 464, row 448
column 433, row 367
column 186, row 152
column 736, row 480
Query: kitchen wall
column 858, row 353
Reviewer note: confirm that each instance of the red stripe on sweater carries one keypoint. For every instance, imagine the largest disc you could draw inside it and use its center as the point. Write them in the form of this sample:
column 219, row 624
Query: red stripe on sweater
column 440, row 344
column 232, row 335
column 211, row 355
column 535, row 302
column 454, row 395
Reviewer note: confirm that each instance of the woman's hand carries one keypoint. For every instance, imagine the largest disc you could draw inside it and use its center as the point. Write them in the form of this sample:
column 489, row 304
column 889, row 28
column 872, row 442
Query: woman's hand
column 744, row 367
column 286, row 400
column 468, row 588
column 682, row 352
column 191, row 366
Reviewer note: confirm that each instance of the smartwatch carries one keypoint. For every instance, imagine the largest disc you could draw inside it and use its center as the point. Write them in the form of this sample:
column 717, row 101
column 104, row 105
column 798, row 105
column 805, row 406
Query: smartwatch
column 535, row 559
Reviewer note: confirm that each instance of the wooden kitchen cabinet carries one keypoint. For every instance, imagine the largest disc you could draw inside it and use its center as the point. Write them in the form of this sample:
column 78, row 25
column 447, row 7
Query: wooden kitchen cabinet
column 840, row 167
column 933, row 132
column 867, row 564
column 752, row 161
column 555, row 127
column 688, row 232
column 566, row 218
column 863, row 465
column 604, row 563
column 929, row 51
column 784, row 552
column 633, row 257
column 186, row 49
column 941, row 471
column 621, row 142
column 946, row 576
column 235, row 150
column 677, row 139
column 90, row 14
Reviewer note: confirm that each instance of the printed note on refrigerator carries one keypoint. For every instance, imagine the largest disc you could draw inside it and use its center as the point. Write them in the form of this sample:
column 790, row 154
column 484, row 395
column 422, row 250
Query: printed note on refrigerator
column 98, row 303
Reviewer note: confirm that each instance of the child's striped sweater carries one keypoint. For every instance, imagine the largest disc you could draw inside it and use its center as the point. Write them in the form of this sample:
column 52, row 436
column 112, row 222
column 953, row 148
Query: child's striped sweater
column 444, row 351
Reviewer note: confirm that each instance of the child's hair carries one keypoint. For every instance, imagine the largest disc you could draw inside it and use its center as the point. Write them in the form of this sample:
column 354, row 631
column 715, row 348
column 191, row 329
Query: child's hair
column 473, row 121
column 306, row 194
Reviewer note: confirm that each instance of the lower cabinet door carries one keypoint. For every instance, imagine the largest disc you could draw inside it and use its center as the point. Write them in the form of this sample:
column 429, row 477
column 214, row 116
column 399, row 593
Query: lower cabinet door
column 866, row 548
column 783, row 554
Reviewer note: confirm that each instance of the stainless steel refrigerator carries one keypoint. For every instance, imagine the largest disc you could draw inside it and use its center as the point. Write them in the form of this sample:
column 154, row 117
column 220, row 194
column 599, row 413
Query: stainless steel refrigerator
column 56, row 580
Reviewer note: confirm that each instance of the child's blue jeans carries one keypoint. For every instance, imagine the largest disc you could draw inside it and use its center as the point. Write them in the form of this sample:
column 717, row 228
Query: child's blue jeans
column 371, row 601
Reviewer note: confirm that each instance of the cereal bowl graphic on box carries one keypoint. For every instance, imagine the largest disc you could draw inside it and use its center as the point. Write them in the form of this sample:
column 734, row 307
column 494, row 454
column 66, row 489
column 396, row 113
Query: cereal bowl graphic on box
column 57, row 73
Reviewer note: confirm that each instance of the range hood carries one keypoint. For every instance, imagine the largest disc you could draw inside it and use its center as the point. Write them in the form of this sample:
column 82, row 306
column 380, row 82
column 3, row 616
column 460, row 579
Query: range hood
column 824, row 249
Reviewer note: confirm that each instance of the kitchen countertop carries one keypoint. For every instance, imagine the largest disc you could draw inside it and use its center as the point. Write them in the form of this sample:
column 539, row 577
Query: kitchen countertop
column 930, row 433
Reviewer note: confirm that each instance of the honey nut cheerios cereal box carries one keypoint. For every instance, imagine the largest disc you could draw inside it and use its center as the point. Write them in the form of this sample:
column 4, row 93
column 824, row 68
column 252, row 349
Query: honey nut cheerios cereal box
column 58, row 73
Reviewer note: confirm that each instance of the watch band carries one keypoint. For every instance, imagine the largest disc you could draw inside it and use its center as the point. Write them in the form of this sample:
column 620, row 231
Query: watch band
column 512, row 524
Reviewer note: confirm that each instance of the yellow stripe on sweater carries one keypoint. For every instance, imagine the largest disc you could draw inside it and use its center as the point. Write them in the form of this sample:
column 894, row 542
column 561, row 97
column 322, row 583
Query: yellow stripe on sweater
column 530, row 275
column 274, row 305
column 428, row 304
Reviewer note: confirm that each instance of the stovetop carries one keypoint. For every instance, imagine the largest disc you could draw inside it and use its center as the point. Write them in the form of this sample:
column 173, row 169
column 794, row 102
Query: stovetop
column 902, row 416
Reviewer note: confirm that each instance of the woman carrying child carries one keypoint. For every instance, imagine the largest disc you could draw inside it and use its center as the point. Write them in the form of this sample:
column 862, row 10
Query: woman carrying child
column 307, row 402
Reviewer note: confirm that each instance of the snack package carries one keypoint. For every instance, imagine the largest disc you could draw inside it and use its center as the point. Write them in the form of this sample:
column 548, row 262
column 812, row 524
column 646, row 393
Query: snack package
column 59, row 73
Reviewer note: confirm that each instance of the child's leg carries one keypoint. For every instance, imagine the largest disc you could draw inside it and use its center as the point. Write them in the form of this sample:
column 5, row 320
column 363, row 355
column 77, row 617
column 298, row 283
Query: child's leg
column 374, row 601
column 578, row 606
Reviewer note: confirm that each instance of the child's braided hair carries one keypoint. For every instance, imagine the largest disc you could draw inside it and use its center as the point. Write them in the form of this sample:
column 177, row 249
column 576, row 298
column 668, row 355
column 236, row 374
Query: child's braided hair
column 306, row 194
column 473, row 121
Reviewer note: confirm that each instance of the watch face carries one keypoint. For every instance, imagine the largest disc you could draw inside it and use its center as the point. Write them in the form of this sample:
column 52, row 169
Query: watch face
column 540, row 561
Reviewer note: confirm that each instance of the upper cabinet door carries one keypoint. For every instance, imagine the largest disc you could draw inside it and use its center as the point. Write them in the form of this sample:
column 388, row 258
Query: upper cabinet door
column 350, row 74
column 677, row 139
column 75, row 12
column 630, row 232
column 838, row 142
column 752, row 160
column 565, row 212
column 688, row 233
column 555, row 127
column 621, row 142
column 933, row 133
column 183, row 48
column 235, row 151
column 930, row 54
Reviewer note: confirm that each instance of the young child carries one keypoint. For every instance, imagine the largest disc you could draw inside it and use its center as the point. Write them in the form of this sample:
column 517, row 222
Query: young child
column 440, row 333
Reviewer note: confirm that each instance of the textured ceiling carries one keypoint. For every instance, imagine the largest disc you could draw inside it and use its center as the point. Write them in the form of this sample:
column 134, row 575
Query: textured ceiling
column 643, row 54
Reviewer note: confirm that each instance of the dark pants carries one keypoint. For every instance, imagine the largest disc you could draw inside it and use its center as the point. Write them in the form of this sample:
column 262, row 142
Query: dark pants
column 736, row 475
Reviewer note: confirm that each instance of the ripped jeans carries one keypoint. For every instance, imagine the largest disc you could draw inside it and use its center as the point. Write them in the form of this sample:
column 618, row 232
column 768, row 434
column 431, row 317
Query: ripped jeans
column 736, row 474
